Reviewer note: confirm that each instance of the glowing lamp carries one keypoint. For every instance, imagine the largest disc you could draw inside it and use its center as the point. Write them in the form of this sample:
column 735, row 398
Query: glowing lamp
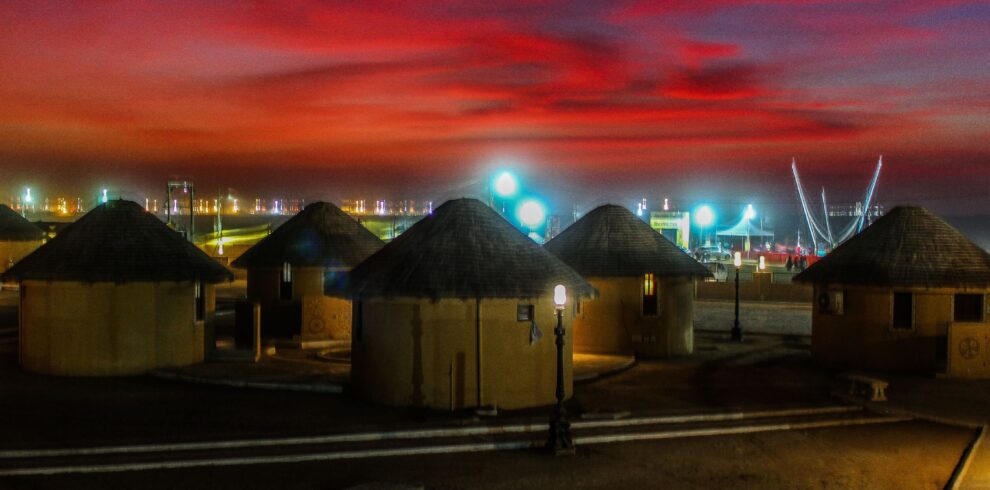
column 27, row 195
column 531, row 213
column 750, row 213
column 505, row 185
column 763, row 263
column 737, row 261
column 704, row 216
column 559, row 296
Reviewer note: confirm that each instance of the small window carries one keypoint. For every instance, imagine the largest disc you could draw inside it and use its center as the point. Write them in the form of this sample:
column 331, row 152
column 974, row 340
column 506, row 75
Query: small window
column 968, row 308
column 285, row 284
column 649, row 295
column 903, row 314
column 200, row 302
column 524, row 313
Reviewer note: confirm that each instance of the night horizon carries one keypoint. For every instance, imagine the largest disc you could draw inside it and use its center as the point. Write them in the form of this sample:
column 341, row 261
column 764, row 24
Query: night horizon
column 590, row 103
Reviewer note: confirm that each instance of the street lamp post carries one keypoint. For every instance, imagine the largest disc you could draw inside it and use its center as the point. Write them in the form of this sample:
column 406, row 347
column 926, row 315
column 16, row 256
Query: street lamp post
column 559, row 437
column 736, row 331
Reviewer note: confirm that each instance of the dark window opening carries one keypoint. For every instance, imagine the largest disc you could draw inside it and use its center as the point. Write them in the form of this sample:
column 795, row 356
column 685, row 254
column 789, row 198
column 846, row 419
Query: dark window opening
column 968, row 308
column 200, row 301
column 524, row 313
column 649, row 295
column 903, row 311
column 285, row 284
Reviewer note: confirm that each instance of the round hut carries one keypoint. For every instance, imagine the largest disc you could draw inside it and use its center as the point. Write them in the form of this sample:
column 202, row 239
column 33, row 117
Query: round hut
column 299, row 273
column 18, row 237
column 117, row 292
column 908, row 293
column 458, row 312
column 645, row 283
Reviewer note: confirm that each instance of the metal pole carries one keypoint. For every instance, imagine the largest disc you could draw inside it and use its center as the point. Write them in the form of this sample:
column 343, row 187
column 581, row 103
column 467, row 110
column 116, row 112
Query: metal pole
column 559, row 438
column 736, row 331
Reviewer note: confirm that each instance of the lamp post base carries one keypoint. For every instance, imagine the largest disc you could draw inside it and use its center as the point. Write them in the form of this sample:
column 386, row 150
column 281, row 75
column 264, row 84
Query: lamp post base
column 736, row 334
column 559, row 438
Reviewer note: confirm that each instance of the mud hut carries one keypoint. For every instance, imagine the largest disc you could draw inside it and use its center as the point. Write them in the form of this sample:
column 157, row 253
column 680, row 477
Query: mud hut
column 645, row 283
column 117, row 292
column 299, row 274
column 908, row 294
column 458, row 312
column 18, row 237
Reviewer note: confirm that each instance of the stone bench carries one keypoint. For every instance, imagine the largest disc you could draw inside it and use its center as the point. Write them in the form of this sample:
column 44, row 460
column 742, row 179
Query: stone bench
column 861, row 385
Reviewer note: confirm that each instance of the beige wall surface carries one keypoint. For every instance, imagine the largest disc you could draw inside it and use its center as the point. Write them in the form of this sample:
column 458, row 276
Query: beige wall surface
column 863, row 336
column 325, row 318
column 613, row 322
column 11, row 252
column 969, row 350
column 102, row 329
column 413, row 352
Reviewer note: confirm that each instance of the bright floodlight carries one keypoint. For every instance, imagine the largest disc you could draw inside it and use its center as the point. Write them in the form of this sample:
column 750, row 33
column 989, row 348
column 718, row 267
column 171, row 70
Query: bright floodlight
column 104, row 197
column 750, row 213
column 738, row 259
column 27, row 194
column 531, row 213
column 505, row 185
column 704, row 216
column 763, row 263
column 559, row 296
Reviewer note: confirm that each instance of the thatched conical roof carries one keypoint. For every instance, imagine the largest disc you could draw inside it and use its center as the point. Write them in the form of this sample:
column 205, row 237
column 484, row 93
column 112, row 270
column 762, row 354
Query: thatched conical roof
column 907, row 247
column 118, row 242
column 321, row 235
column 464, row 250
column 14, row 228
column 611, row 242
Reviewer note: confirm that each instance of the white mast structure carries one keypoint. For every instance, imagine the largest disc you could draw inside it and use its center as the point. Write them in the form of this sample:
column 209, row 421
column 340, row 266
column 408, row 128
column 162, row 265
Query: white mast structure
column 824, row 233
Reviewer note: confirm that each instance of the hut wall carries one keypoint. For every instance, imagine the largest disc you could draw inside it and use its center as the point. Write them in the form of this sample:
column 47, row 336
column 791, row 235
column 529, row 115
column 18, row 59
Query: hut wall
column 862, row 337
column 414, row 352
column 105, row 329
column 263, row 283
column 13, row 251
column 325, row 317
column 308, row 316
column 613, row 322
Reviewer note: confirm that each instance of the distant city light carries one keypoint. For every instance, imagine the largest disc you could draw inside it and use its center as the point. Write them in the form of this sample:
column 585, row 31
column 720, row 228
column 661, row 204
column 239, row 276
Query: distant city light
column 506, row 185
column 531, row 213
column 104, row 197
column 750, row 213
column 704, row 216
column 27, row 195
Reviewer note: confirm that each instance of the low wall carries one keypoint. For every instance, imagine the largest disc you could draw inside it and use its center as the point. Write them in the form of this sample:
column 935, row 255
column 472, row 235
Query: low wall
column 760, row 287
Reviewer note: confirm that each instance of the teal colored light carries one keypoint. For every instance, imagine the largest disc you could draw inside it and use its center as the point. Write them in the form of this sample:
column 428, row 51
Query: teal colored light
column 750, row 213
column 506, row 185
column 704, row 216
column 531, row 213
column 104, row 198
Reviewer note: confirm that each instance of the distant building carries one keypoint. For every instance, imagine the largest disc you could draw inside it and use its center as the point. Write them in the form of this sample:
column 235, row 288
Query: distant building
column 458, row 312
column 645, row 284
column 299, row 274
column 908, row 293
column 18, row 237
column 673, row 225
column 117, row 292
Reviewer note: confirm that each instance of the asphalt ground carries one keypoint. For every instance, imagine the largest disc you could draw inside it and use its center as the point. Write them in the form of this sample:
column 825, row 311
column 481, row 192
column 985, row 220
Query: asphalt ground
column 911, row 455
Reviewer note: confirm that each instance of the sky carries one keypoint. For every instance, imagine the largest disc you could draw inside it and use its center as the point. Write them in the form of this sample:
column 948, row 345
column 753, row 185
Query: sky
column 588, row 101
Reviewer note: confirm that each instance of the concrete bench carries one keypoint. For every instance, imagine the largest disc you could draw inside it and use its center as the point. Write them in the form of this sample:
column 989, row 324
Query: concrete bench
column 861, row 385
